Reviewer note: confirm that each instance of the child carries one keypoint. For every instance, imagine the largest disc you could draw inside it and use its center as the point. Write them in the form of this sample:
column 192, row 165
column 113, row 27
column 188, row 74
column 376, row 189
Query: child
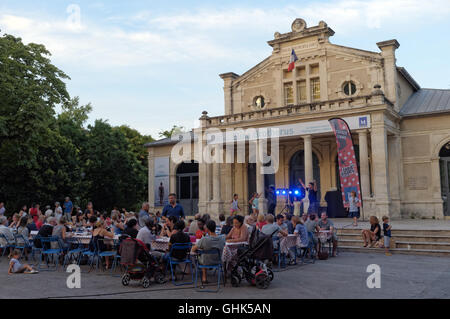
column 261, row 221
column 353, row 208
column 234, row 205
column 387, row 235
column 222, row 220
column 254, row 201
column 15, row 267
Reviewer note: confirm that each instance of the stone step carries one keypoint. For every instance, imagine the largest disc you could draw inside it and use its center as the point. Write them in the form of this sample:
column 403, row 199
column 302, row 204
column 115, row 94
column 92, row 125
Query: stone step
column 399, row 232
column 424, row 252
column 406, row 238
column 422, row 245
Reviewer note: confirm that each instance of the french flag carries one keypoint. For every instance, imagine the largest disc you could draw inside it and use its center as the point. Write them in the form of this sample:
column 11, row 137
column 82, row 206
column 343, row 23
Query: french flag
column 292, row 61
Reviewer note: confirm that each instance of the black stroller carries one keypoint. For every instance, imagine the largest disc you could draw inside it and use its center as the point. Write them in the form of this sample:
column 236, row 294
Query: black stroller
column 133, row 250
column 252, row 262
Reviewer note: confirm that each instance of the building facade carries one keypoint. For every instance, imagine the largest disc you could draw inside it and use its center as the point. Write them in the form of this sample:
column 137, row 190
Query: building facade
column 401, row 131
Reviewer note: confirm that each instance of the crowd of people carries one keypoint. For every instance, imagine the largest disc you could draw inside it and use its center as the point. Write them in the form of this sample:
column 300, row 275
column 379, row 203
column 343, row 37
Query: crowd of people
column 146, row 226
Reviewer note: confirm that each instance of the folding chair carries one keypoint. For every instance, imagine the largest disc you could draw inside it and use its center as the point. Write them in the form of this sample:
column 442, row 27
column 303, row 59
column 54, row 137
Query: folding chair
column 101, row 254
column 22, row 243
column 6, row 244
column 48, row 252
column 73, row 253
column 90, row 253
column 277, row 250
column 217, row 267
column 174, row 262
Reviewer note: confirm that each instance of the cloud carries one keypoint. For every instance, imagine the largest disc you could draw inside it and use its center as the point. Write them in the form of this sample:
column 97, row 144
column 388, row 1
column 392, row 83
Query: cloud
column 195, row 35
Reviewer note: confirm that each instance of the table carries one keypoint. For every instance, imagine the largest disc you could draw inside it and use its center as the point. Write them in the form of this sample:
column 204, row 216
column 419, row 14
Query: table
column 229, row 254
column 161, row 244
column 287, row 243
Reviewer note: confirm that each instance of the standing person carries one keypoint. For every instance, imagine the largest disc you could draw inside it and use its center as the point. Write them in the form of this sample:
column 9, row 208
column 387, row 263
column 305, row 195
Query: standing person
column 271, row 200
column 387, row 235
column 68, row 208
column 254, row 201
column 35, row 212
column 235, row 205
column 58, row 210
column 48, row 211
column 373, row 235
column 312, row 196
column 143, row 214
column 173, row 209
column 2, row 209
column 353, row 208
column 161, row 193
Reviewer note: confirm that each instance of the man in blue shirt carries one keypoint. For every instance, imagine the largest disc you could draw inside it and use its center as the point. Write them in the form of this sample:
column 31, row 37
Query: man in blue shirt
column 68, row 208
column 173, row 209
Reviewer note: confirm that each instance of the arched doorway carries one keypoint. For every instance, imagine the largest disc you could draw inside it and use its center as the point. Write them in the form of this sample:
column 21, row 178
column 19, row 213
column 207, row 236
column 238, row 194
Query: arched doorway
column 297, row 170
column 187, row 187
column 444, row 165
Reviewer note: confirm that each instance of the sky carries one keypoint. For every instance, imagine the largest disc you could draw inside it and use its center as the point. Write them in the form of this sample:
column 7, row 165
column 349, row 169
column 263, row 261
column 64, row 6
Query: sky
column 154, row 64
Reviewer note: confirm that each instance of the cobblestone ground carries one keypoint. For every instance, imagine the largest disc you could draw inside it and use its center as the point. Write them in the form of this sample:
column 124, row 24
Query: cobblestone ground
column 402, row 276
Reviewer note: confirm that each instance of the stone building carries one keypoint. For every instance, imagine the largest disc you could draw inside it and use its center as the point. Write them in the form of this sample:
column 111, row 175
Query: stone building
column 401, row 131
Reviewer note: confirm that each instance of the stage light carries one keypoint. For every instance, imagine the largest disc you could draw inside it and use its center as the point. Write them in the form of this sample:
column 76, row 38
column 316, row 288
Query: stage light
column 284, row 192
column 296, row 192
column 277, row 192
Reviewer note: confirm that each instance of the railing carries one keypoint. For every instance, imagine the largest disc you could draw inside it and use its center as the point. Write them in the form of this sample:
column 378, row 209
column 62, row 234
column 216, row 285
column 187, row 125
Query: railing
column 315, row 107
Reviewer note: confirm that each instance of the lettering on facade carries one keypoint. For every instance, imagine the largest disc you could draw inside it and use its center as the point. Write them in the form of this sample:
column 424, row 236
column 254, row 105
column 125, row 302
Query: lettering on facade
column 418, row 183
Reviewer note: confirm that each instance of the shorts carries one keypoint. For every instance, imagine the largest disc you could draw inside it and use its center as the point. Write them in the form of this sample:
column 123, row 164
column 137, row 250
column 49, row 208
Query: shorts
column 354, row 214
column 21, row 270
column 387, row 241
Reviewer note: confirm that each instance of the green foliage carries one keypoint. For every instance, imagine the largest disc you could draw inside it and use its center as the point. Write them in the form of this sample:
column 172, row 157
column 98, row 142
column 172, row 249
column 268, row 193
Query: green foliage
column 169, row 133
column 44, row 156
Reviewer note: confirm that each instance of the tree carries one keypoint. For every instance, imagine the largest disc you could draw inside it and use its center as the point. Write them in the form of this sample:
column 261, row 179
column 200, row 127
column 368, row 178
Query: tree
column 30, row 87
column 173, row 131
column 115, row 176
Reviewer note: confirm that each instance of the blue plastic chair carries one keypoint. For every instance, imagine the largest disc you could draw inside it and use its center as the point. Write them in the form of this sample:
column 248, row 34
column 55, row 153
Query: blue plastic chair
column 106, row 253
column 8, row 244
column 90, row 252
column 174, row 262
column 218, row 267
column 48, row 251
column 73, row 253
column 22, row 243
column 277, row 250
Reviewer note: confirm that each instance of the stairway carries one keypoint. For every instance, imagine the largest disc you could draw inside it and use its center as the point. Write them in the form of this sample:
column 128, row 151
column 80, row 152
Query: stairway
column 404, row 241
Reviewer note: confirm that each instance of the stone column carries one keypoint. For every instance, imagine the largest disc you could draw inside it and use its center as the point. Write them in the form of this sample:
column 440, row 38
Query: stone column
column 173, row 177
column 308, row 165
column 380, row 168
column 260, row 179
column 395, row 173
column 364, row 168
column 216, row 206
column 151, row 179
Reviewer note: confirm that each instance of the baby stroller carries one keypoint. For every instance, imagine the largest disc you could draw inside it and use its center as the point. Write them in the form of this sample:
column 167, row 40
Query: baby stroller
column 133, row 250
column 251, row 261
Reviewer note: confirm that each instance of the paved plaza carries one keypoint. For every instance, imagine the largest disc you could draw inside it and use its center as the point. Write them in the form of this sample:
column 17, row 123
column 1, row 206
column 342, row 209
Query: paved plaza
column 402, row 276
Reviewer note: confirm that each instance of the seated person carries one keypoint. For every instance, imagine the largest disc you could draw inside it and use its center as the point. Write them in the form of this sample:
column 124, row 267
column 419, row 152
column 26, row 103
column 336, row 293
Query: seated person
column 300, row 230
column 45, row 231
column 326, row 224
column 98, row 235
column 209, row 242
column 179, row 237
column 312, row 227
column 146, row 234
column 201, row 231
column 239, row 232
column 261, row 221
column 131, row 228
column 15, row 267
column 272, row 229
column 372, row 235
column 193, row 227
column 168, row 228
column 227, row 227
